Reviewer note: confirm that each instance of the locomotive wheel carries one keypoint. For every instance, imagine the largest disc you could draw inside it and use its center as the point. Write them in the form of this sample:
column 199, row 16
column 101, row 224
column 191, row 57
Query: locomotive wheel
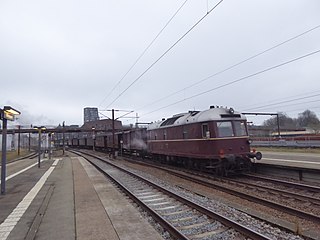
column 221, row 169
column 188, row 163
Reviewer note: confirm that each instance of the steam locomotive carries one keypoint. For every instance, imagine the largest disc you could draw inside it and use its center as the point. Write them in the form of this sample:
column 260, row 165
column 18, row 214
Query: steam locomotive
column 214, row 140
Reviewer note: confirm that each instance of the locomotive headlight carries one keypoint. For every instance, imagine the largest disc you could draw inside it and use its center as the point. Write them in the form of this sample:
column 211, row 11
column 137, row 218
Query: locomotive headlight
column 231, row 111
column 221, row 153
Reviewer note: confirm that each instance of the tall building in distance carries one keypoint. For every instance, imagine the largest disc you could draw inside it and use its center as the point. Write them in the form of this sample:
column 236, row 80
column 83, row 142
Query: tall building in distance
column 90, row 114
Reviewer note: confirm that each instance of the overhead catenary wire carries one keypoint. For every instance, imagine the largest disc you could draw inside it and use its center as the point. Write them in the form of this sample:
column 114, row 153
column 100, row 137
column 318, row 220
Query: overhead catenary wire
column 168, row 50
column 230, row 67
column 290, row 105
column 143, row 53
column 252, row 106
column 237, row 80
column 282, row 102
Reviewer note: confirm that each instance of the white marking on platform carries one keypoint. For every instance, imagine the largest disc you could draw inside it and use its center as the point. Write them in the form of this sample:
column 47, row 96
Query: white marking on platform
column 288, row 160
column 8, row 225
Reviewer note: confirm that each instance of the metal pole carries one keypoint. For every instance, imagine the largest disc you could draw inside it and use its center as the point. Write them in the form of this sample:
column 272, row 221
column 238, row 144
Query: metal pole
column 63, row 149
column 278, row 122
column 19, row 140
column 4, row 156
column 29, row 146
column 113, row 145
column 121, row 142
column 39, row 147
column 93, row 139
column 49, row 145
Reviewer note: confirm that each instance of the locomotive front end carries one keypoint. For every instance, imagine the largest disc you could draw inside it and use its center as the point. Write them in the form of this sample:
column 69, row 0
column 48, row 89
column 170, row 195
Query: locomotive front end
column 232, row 145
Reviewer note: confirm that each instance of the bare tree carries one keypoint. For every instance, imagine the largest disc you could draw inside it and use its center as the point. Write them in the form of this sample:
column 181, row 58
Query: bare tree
column 284, row 121
column 308, row 119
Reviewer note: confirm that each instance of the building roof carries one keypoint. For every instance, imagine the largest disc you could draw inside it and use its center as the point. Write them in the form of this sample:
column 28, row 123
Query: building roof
column 212, row 114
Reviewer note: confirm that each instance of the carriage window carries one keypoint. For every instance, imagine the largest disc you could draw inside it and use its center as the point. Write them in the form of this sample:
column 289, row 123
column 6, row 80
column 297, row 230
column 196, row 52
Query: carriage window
column 225, row 129
column 185, row 134
column 205, row 131
column 240, row 128
column 165, row 135
column 149, row 134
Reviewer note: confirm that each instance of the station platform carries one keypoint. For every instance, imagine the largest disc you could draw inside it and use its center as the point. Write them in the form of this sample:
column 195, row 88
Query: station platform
column 291, row 159
column 67, row 198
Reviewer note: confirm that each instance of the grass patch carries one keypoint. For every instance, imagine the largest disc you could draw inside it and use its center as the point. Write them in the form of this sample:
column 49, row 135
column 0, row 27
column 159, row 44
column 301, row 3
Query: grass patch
column 11, row 155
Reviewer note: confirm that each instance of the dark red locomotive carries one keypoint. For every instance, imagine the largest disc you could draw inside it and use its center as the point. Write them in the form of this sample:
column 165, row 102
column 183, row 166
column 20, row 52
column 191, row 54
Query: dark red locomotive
column 212, row 140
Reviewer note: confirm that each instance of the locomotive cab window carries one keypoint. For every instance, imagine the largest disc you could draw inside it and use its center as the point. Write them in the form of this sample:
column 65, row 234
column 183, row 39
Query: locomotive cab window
column 225, row 129
column 240, row 128
column 205, row 131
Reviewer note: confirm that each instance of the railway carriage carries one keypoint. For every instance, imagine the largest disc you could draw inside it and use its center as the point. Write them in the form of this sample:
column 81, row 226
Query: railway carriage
column 101, row 141
column 134, row 141
column 75, row 142
column 82, row 142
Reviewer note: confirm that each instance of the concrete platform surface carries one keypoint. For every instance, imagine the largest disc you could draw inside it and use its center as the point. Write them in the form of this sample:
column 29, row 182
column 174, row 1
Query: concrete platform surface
column 67, row 198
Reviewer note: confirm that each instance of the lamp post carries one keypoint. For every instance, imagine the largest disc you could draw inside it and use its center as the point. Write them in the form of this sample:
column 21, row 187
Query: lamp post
column 63, row 138
column 93, row 138
column 29, row 142
column 50, row 139
column 19, row 127
column 7, row 113
column 39, row 142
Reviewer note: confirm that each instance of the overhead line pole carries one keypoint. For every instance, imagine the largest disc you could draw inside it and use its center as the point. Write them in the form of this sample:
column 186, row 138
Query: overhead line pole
column 268, row 114
column 113, row 126
column 113, row 137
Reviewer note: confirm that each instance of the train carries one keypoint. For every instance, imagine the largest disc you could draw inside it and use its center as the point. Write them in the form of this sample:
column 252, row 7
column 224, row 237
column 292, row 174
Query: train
column 214, row 140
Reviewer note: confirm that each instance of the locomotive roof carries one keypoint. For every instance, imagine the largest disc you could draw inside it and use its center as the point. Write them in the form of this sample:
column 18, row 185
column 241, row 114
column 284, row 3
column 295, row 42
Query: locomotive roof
column 212, row 114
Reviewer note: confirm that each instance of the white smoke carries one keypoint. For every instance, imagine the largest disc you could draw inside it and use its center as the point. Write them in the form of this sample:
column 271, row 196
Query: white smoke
column 138, row 144
column 25, row 119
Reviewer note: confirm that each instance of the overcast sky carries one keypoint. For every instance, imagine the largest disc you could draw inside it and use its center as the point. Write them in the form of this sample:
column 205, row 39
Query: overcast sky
column 57, row 57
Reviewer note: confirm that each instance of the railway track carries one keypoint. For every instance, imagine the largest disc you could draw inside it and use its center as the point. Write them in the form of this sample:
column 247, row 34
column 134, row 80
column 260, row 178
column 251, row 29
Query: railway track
column 305, row 187
column 302, row 205
column 180, row 215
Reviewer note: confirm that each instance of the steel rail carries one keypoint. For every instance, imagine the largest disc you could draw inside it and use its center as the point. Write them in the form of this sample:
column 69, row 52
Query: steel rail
column 278, row 206
column 226, row 221
column 290, row 184
column 298, row 196
column 165, row 224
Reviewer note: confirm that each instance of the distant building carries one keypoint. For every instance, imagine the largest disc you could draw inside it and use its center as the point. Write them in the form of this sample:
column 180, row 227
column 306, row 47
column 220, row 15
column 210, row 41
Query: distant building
column 90, row 114
column 102, row 125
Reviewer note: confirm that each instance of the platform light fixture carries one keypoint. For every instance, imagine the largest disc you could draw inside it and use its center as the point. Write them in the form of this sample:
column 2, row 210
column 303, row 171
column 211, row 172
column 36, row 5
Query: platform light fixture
column 7, row 113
